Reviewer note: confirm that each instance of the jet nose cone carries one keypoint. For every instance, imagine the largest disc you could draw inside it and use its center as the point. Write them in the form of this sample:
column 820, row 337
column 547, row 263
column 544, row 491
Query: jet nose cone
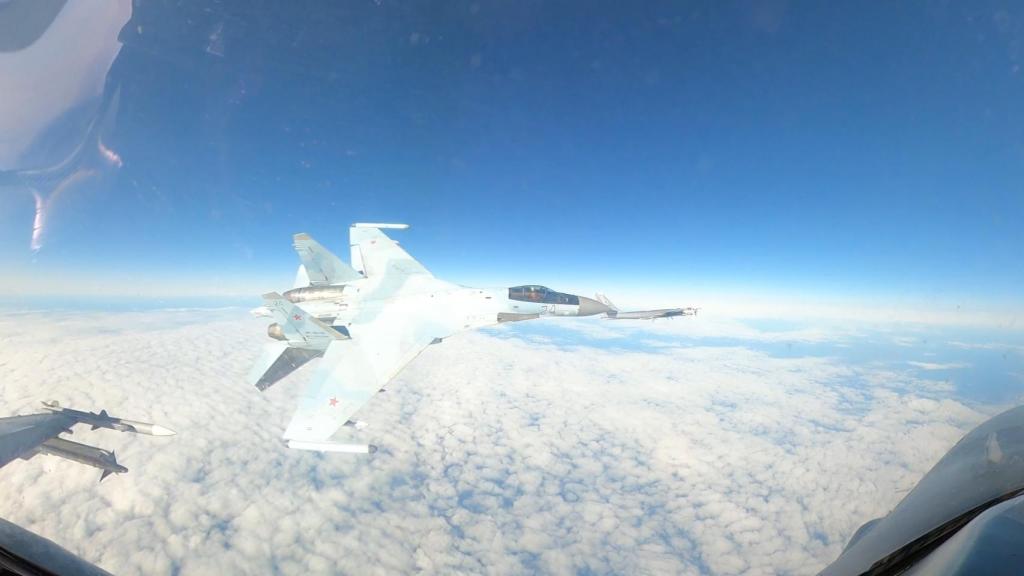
column 589, row 307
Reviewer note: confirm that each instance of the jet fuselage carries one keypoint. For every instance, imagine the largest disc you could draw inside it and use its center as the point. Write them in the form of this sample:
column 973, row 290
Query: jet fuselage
column 340, row 304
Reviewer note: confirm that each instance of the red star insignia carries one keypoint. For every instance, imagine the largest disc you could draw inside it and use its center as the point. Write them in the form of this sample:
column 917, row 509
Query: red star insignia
column 333, row 402
column 297, row 317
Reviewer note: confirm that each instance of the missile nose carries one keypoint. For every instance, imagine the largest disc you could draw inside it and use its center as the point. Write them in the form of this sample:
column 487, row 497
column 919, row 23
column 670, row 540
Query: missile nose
column 589, row 307
column 159, row 430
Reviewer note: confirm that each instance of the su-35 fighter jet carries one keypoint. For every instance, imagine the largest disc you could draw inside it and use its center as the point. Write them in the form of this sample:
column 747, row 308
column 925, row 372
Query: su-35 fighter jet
column 370, row 319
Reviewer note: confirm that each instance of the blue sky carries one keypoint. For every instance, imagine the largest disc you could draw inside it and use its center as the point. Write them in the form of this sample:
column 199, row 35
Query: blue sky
column 832, row 149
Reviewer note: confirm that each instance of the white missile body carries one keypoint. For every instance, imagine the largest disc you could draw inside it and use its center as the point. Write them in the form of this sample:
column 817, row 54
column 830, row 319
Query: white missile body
column 332, row 447
column 104, row 420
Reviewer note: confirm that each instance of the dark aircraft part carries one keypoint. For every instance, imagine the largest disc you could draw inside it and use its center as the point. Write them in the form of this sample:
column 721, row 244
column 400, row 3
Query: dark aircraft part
column 929, row 553
column 20, row 436
column 962, row 506
column 992, row 544
column 25, row 21
column 541, row 294
column 290, row 360
column 864, row 529
column 22, row 552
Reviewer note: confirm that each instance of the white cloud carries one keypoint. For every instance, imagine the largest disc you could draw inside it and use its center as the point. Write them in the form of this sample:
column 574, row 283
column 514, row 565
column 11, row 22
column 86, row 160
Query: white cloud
column 498, row 453
column 1003, row 346
column 938, row 365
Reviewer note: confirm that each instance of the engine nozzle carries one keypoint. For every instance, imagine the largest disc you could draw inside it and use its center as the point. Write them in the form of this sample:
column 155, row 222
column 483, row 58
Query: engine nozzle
column 276, row 332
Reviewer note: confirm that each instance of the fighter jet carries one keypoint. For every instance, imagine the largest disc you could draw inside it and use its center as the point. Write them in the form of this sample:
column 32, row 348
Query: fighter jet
column 25, row 436
column 367, row 320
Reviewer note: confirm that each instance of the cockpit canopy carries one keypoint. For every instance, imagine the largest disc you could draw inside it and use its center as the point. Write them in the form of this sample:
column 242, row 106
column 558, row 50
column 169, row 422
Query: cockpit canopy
column 541, row 294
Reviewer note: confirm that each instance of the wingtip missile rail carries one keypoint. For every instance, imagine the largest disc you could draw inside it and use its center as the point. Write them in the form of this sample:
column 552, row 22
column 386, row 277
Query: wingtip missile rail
column 104, row 420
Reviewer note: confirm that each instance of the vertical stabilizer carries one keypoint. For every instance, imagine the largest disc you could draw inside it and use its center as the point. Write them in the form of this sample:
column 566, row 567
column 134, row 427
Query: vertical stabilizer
column 322, row 267
column 604, row 300
column 356, row 258
column 301, row 278
column 378, row 255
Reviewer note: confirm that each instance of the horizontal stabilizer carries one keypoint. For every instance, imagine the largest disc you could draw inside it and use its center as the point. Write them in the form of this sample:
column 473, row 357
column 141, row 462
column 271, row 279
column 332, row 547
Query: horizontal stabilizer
column 277, row 361
column 322, row 267
column 299, row 329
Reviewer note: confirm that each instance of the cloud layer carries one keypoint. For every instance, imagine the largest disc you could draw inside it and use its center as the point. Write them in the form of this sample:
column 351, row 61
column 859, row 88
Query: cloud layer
column 501, row 451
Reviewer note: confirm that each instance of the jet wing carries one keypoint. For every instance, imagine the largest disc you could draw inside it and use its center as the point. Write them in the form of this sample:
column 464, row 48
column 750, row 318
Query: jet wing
column 322, row 268
column 25, row 436
column 374, row 254
column 352, row 371
column 21, row 436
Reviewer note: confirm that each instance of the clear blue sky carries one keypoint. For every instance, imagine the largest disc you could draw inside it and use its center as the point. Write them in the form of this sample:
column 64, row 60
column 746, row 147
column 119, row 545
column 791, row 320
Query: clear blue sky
column 830, row 147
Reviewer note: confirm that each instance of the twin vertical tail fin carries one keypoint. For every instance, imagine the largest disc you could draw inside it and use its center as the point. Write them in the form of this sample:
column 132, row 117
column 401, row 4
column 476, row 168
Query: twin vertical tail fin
column 604, row 300
column 375, row 254
column 321, row 267
column 301, row 338
column 613, row 310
